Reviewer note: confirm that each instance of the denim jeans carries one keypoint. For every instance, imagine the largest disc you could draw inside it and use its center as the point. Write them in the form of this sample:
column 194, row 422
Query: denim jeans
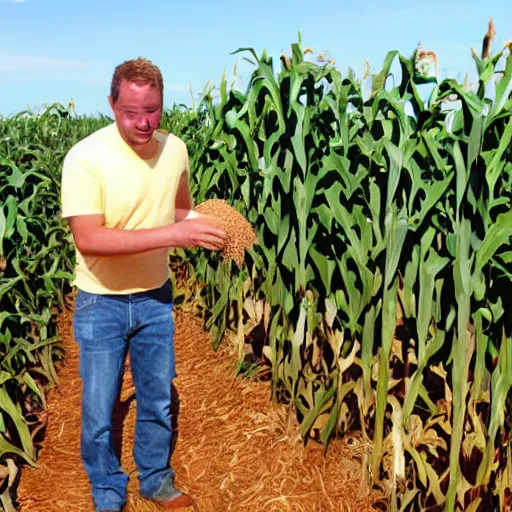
column 105, row 327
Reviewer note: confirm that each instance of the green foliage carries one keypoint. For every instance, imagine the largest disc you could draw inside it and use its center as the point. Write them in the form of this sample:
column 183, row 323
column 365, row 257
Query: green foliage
column 36, row 263
column 367, row 205
column 373, row 206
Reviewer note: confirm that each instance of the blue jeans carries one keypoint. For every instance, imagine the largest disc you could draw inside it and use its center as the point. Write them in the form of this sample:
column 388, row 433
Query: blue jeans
column 106, row 327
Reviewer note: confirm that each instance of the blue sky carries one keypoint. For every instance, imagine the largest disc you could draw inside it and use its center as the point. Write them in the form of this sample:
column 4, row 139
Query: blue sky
column 55, row 50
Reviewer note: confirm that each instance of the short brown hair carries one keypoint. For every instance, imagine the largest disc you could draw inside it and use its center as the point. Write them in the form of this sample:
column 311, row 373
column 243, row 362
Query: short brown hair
column 140, row 71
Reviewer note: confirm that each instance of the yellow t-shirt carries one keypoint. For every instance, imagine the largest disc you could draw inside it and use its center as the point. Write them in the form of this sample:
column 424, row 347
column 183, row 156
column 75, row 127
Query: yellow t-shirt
column 103, row 175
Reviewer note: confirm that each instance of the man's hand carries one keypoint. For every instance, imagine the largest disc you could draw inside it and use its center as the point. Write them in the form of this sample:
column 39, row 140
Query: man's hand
column 198, row 232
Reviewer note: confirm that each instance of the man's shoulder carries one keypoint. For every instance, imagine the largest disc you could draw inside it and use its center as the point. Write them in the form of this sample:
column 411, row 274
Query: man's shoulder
column 164, row 134
column 92, row 144
column 170, row 140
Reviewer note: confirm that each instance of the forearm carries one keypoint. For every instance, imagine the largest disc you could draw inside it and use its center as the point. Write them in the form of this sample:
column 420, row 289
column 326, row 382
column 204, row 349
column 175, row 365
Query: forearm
column 181, row 214
column 103, row 241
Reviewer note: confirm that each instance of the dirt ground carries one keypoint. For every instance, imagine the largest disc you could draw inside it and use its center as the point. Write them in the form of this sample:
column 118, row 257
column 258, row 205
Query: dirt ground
column 234, row 451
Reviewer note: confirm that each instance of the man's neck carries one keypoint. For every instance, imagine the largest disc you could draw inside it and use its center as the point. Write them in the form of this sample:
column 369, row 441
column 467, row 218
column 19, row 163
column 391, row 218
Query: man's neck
column 147, row 151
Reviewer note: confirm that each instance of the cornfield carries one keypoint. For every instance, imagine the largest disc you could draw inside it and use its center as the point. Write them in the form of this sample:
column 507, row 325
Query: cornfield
column 377, row 299
column 367, row 215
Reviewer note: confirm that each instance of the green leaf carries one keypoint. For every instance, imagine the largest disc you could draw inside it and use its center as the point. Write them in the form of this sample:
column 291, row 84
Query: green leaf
column 325, row 267
column 14, row 411
column 290, row 259
column 16, row 179
column 272, row 220
column 6, row 448
column 499, row 235
column 379, row 81
column 12, row 211
column 21, row 227
column 2, row 229
column 503, row 90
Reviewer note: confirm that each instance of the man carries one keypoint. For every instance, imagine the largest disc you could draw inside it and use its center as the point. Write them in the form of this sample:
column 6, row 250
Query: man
column 125, row 194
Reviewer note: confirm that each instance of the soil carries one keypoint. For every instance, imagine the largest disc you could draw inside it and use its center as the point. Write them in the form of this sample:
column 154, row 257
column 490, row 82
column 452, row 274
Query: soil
column 234, row 449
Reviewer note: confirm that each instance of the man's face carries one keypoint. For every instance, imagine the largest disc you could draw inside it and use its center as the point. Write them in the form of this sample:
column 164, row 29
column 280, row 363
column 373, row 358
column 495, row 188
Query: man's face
column 137, row 112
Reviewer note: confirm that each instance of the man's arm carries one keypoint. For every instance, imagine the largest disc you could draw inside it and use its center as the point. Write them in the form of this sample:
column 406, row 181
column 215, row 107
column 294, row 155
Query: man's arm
column 92, row 238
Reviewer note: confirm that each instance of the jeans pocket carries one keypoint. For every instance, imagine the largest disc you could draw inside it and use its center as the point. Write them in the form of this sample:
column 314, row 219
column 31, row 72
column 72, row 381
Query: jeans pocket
column 84, row 299
column 83, row 317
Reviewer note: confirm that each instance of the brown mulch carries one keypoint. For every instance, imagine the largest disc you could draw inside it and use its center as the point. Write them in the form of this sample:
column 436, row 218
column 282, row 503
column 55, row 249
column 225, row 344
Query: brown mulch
column 235, row 451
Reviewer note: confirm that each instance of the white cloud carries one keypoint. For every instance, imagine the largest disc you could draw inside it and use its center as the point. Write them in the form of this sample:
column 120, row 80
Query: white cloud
column 177, row 87
column 13, row 63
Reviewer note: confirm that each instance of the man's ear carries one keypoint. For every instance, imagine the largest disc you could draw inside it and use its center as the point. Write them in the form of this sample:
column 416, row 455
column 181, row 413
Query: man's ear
column 111, row 102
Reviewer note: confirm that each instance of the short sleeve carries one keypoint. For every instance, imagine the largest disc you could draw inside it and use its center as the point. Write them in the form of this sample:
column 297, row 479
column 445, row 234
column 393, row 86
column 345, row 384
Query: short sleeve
column 81, row 192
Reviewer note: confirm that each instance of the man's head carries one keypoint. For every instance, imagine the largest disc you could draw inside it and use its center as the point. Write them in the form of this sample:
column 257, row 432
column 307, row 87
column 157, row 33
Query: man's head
column 136, row 99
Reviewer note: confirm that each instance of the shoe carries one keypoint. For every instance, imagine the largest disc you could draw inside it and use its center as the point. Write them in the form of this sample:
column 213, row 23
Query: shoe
column 179, row 501
column 169, row 497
